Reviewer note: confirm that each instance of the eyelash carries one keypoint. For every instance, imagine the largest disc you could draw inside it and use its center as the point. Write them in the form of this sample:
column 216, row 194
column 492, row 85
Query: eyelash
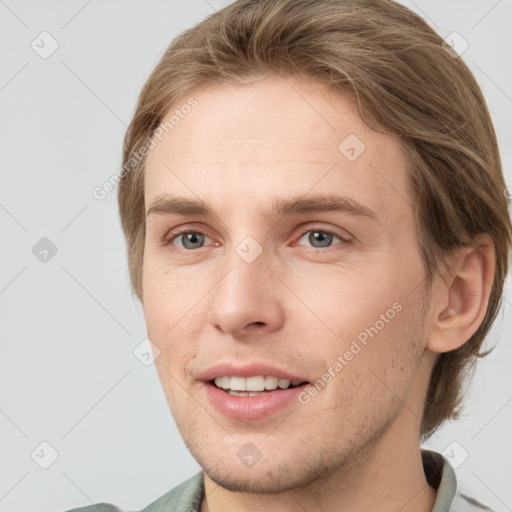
column 172, row 235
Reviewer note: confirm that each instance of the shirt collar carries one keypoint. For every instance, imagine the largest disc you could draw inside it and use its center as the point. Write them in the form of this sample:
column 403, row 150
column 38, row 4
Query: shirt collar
column 441, row 476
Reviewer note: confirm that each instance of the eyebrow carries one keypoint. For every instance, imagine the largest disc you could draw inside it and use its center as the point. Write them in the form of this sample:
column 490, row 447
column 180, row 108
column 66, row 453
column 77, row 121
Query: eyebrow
column 169, row 205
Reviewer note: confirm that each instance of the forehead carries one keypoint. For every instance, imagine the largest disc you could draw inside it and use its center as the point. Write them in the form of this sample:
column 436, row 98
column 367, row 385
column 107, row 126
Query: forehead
column 275, row 136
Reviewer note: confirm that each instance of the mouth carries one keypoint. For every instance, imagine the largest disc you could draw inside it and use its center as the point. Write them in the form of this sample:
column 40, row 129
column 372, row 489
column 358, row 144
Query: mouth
column 251, row 392
column 253, row 386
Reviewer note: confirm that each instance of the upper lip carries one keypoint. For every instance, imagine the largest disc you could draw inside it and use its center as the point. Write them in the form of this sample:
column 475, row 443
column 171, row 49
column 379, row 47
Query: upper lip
column 247, row 370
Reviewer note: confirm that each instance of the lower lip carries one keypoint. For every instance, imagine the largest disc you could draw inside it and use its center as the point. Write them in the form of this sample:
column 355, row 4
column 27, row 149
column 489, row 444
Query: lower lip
column 251, row 407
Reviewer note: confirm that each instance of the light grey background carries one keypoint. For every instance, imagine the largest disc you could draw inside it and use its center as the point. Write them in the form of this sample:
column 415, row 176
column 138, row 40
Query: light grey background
column 68, row 375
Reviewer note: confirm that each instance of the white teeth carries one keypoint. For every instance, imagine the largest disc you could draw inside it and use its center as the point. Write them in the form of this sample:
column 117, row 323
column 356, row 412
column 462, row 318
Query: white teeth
column 245, row 393
column 238, row 384
column 222, row 382
column 283, row 383
column 251, row 385
column 271, row 382
column 255, row 383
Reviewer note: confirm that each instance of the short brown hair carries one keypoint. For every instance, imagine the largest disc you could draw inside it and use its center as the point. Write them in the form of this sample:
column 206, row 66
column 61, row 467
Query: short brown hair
column 404, row 82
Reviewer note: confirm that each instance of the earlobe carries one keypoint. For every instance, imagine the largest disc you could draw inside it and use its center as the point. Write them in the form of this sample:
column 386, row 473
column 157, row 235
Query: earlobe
column 462, row 297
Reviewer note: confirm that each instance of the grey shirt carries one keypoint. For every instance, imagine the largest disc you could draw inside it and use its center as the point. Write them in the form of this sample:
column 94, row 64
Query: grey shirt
column 187, row 497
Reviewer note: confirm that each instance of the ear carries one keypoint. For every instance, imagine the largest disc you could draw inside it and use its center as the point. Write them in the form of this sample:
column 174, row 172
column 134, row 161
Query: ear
column 460, row 298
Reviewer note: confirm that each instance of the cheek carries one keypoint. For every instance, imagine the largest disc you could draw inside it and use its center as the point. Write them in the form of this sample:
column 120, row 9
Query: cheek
column 164, row 300
column 173, row 320
column 350, row 299
column 368, row 318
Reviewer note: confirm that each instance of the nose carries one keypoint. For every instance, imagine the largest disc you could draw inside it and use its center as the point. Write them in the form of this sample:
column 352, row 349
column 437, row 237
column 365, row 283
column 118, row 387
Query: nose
column 247, row 296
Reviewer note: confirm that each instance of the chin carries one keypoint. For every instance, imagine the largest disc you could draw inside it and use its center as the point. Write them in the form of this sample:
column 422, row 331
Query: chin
column 258, row 482
column 270, row 476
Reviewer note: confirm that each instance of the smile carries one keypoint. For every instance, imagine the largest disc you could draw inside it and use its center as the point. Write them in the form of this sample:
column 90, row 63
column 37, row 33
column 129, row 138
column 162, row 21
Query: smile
column 252, row 386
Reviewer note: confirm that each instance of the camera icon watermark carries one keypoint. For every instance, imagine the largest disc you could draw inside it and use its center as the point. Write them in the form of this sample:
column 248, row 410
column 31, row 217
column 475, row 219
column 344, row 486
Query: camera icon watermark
column 351, row 147
column 44, row 455
column 146, row 352
column 44, row 45
column 455, row 45
column 44, row 250
column 249, row 455
column 455, row 454
column 249, row 249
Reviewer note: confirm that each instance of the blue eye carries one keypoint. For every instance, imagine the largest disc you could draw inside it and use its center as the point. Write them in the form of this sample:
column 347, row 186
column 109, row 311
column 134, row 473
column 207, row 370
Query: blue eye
column 191, row 240
column 321, row 238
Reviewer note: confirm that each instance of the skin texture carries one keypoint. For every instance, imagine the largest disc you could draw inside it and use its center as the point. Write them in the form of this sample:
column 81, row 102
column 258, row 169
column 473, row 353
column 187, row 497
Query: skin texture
column 354, row 446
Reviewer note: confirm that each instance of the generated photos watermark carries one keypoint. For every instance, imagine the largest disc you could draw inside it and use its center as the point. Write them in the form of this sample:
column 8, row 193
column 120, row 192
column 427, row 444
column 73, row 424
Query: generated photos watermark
column 355, row 348
column 101, row 191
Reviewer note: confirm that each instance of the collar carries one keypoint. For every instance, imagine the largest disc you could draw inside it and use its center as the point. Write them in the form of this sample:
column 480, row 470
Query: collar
column 441, row 476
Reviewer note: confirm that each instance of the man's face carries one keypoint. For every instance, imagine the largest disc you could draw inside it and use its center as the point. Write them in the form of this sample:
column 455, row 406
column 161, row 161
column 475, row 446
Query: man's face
column 330, row 300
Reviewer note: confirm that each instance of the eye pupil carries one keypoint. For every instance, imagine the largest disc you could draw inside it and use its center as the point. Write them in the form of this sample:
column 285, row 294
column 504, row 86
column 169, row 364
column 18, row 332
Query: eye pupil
column 324, row 238
column 192, row 238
